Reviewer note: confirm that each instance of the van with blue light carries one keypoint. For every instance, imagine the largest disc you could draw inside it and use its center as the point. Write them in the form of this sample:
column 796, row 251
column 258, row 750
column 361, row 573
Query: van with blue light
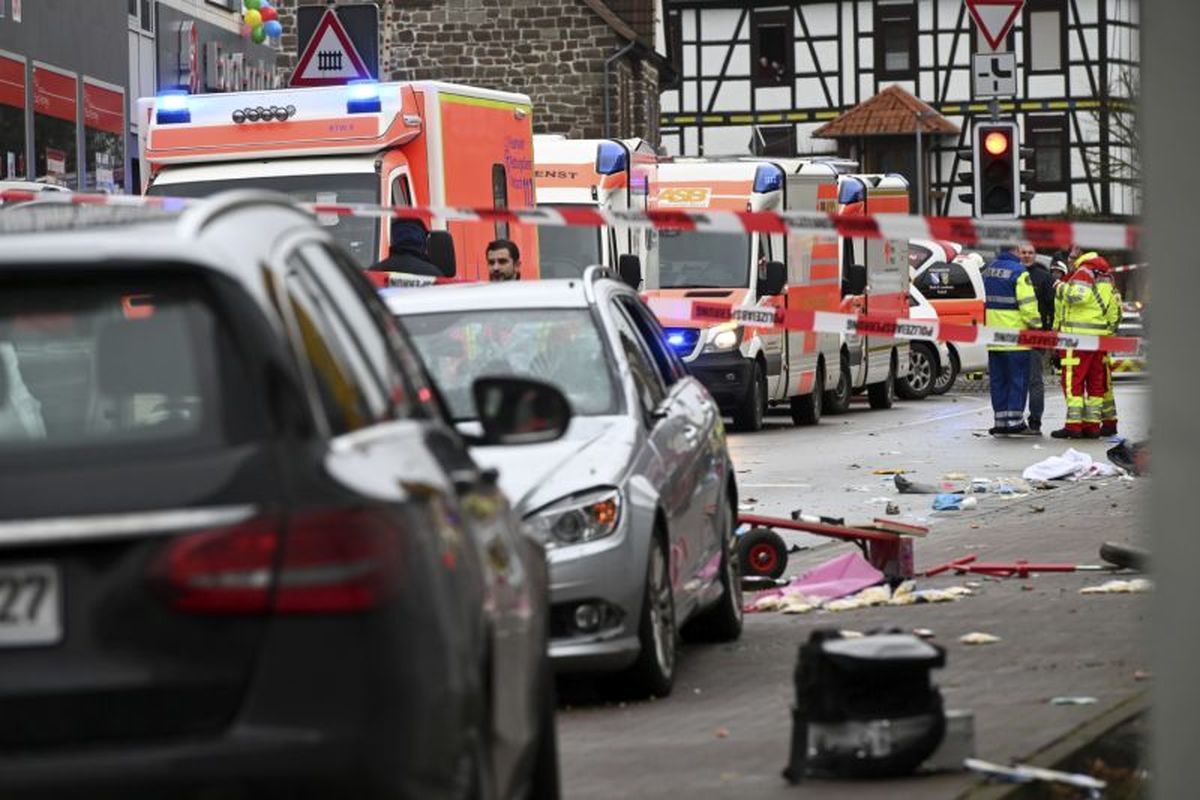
column 599, row 175
column 749, row 369
column 421, row 143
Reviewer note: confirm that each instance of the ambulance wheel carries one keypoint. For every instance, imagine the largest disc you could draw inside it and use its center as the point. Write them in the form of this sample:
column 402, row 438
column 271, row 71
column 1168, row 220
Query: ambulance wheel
column 883, row 394
column 806, row 408
column 922, row 369
column 837, row 399
column 763, row 553
column 948, row 375
column 749, row 415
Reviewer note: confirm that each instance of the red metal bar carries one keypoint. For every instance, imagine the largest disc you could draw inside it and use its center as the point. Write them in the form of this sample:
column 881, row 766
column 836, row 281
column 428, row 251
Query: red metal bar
column 821, row 529
column 958, row 562
column 1020, row 568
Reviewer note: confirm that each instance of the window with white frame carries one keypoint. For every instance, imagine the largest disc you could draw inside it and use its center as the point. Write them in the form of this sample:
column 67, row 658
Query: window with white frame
column 1045, row 36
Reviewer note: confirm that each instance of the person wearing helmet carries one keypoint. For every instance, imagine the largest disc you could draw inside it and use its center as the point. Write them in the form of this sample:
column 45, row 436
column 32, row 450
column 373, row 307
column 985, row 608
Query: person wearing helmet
column 1080, row 310
column 1110, row 302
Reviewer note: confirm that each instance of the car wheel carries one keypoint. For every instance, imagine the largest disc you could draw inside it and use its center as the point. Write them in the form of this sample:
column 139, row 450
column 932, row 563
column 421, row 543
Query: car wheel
column 763, row 553
column 723, row 622
column 919, row 382
column 806, row 409
column 948, row 375
column 654, row 671
column 837, row 399
column 544, row 782
column 883, row 394
column 749, row 415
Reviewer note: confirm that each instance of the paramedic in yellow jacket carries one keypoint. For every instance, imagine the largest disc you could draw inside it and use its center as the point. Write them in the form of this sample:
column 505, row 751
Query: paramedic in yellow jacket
column 1110, row 300
column 1080, row 309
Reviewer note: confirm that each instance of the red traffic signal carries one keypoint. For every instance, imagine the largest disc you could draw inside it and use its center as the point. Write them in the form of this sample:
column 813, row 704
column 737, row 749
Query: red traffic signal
column 997, row 173
column 996, row 143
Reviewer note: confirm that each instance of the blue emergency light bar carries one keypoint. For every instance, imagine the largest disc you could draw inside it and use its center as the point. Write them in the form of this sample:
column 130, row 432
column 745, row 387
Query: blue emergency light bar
column 611, row 158
column 768, row 178
column 364, row 98
column 172, row 108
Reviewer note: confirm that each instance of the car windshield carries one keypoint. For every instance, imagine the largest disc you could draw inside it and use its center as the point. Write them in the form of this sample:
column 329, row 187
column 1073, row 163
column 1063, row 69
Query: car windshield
column 567, row 251
column 688, row 259
column 560, row 346
column 358, row 236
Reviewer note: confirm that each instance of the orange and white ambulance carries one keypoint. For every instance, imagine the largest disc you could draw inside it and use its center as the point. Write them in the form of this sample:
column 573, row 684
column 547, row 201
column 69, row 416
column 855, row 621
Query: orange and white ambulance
column 423, row 143
column 749, row 369
column 611, row 174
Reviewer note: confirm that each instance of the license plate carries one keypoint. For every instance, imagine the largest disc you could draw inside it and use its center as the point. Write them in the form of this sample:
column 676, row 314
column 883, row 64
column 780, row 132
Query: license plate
column 30, row 605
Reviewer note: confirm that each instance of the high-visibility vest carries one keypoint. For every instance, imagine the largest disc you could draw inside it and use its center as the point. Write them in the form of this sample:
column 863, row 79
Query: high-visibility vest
column 1110, row 301
column 1081, row 308
column 1010, row 301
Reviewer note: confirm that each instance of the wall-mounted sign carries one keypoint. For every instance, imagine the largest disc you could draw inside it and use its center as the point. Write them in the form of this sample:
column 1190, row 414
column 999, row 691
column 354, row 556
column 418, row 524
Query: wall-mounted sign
column 55, row 124
column 202, row 58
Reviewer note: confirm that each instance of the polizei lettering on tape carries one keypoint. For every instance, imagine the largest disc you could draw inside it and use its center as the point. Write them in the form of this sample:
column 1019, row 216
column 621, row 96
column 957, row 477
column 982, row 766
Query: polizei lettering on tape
column 915, row 330
column 755, row 316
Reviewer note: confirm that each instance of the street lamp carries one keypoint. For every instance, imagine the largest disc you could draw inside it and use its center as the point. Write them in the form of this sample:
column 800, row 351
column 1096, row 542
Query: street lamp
column 921, row 116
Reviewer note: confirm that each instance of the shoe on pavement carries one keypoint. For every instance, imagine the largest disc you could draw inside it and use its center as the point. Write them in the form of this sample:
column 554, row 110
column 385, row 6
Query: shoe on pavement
column 1064, row 433
column 1108, row 430
column 1031, row 431
column 1017, row 430
column 1091, row 434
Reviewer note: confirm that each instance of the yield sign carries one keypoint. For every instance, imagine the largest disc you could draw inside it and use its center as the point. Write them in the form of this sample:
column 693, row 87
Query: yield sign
column 330, row 58
column 995, row 18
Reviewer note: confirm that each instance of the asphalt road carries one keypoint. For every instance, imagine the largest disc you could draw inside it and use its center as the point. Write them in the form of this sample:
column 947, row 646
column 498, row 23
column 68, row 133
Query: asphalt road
column 724, row 731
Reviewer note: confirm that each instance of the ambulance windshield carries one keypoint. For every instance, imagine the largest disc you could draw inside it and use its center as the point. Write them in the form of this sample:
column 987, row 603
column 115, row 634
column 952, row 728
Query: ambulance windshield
column 690, row 260
column 358, row 236
column 566, row 252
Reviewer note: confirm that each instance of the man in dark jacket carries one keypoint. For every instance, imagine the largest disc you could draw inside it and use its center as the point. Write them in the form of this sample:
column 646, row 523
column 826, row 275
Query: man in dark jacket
column 407, row 252
column 1043, row 288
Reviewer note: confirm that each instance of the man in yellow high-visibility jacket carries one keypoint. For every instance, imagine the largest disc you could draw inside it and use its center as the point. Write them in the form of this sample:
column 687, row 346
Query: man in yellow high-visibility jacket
column 1010, row 303
column 1110, row 301
column 1080, row 310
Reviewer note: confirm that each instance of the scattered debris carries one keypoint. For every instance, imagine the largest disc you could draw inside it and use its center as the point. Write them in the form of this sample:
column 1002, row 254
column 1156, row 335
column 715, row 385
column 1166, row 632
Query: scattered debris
column 955, row 476
column 1134, row 459
column 924, row 633
column 745, row 507
column 1021, row 773
column 1072, row 701
column 722, row 733
column 976, row 637
column 851, row 634
column 1142, row 675
column 892, row 509
column 889, row 471
column 1038, row 509
column 947, row 502
column 1125, row 555
column 1119, row 587
column 1072, row 465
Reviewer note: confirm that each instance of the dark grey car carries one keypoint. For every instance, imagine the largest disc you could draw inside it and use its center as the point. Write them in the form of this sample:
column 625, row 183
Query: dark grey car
column 635, row 504
column 241, row 551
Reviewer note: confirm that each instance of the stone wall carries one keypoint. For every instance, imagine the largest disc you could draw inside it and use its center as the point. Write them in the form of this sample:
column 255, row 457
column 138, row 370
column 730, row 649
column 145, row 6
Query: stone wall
column 552, row 50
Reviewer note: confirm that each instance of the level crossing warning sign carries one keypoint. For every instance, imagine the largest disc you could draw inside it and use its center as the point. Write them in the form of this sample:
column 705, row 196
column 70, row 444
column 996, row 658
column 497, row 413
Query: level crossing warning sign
column 330, row 58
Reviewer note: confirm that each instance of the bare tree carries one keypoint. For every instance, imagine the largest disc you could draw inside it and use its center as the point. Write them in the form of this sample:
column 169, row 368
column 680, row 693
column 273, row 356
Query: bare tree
column 1119, row 113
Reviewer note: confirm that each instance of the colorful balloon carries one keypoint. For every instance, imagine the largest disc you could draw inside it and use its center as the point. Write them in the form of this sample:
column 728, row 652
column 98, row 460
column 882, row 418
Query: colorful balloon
column 273, row 28
column 268, row 13
column 252, row 4
column 259, row 34
column 252, row 18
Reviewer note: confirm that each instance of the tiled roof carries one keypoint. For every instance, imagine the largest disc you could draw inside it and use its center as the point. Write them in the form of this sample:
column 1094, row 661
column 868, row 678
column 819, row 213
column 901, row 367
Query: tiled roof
column 891, row 112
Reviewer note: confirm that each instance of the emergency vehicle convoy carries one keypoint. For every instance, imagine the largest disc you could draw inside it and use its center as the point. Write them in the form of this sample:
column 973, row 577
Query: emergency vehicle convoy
column 749, row 369
column 606, row 174
column 423, row 143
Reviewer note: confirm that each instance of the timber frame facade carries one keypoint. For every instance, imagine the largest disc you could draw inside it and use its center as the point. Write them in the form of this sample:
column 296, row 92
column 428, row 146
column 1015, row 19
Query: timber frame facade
column 761, row 76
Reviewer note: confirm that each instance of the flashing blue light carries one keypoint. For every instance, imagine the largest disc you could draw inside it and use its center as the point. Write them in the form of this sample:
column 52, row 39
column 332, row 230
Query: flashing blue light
column 675, row 340
column 768, row 178
column 611, row 158
column 364, row 98
column 172, row 108
column 850, row 191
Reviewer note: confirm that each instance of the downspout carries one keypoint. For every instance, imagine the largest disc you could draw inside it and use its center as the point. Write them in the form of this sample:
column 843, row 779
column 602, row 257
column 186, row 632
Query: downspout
column 608, row 62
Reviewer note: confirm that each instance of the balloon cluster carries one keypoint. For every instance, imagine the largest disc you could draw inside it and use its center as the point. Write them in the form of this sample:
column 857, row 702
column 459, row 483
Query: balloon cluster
column 260, row 19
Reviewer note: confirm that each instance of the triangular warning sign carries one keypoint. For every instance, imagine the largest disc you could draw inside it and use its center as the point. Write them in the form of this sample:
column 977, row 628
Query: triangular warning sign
column 995, row 18
column 329, row 58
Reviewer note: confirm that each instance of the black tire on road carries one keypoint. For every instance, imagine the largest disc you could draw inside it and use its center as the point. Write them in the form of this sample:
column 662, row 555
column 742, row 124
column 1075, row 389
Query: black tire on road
column 947, row 376
column 837, row 399
column 653, row 673
column 806, row 409
column 748, row 416
column 883, row 394
column 763, row 553
column 723, row 621
column 923, row 368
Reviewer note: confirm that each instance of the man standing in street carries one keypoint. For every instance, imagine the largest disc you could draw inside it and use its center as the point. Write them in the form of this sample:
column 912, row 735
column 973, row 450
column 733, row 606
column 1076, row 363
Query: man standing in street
column 1043, row 288
column 1011, row 303
column 1110, row 304
column 407, row 253
column 1080, row 310
column 503, row 261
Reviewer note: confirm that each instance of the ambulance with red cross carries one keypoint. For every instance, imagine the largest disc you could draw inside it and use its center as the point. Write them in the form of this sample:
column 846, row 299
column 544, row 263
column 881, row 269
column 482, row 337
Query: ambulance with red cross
column 600, row 174
column 421, row 143
column 749, row 369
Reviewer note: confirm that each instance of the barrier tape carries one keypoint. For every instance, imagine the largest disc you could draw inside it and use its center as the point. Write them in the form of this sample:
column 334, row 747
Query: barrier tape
column 1042, row 233
column 1129, row 267
column 894, row 327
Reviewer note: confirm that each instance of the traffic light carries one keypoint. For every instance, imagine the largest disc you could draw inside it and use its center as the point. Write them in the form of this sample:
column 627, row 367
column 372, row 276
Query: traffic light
column 996, row 163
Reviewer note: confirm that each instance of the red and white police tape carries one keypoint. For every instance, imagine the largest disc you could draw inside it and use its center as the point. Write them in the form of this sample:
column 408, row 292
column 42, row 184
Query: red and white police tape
column 1042, row 233
column 678, row 310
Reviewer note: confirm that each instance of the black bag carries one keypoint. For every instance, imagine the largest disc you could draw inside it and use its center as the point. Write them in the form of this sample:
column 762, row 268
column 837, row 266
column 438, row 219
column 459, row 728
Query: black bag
column 865, row 707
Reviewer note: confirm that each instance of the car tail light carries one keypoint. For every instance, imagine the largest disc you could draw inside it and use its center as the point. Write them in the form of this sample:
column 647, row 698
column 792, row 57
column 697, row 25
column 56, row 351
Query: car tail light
column 331, row 561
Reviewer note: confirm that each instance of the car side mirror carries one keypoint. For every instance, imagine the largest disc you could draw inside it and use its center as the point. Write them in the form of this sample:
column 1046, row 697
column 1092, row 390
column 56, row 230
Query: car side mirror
column 515, row 411
column 854, row 282
column 771, row 283
column 440, row 247
column 629, row 267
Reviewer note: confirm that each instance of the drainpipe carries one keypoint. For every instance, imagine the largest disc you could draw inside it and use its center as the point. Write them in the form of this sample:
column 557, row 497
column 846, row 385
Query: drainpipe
column 608, row 62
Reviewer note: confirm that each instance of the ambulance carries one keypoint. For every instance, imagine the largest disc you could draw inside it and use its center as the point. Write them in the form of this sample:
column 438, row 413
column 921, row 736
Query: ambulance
column 421, row 143
column 749, row 369
column 951, row 279
column 607, row 174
